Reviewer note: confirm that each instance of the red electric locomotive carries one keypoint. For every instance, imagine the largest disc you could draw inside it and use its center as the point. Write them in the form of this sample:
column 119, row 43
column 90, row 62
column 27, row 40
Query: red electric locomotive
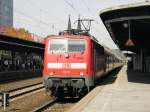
column 73, row 61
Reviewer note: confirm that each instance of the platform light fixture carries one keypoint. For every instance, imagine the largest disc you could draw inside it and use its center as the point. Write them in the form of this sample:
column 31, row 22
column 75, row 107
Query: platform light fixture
column 125, row 25
column 129, row 42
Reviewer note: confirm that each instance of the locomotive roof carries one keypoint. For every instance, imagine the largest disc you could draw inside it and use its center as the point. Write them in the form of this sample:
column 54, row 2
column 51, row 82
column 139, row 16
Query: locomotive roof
column 67, row 35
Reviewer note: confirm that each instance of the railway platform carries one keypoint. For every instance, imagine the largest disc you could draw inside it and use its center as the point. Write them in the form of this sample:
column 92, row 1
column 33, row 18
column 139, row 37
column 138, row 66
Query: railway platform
column 128, row 91
column 11, row 76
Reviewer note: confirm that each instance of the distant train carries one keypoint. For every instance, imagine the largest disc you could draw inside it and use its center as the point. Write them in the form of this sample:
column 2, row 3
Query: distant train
column 73, row 61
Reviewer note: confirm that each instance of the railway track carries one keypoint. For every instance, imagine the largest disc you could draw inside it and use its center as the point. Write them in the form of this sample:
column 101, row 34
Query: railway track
column 45, row 106
column 57, row 105
column 24, row 91
column 27, row 100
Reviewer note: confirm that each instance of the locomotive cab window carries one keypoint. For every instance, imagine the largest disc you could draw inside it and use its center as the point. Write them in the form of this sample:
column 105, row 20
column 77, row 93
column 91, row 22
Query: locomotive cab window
column 58, row 45
column 65, row 45
column 76, row 45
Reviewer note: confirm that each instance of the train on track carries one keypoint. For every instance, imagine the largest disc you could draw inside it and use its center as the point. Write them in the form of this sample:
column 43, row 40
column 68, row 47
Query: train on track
column 73, row 61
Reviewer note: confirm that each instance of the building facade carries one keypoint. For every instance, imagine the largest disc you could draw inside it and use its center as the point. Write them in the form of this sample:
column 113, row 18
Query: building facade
column 6, row 12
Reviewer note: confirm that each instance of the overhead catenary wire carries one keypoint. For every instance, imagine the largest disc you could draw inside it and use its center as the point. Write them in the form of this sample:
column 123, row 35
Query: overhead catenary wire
column 45, row 11
column 97, row 30
column 44, row 23
column 75, row 9
column 25, row 15
column 92, row 14
column 51, row 24
column 89, row 10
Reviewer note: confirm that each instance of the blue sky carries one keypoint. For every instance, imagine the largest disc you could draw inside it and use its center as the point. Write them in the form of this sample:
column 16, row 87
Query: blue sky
column 45, row 17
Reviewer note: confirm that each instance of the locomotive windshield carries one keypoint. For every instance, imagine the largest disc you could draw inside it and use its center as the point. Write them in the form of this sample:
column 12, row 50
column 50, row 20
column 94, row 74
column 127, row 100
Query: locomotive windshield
column 76, row 45
column 58, row 45
column 63, row 45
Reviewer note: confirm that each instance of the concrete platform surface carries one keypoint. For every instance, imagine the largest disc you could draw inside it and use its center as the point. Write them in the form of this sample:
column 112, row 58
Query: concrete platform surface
column 130, row 92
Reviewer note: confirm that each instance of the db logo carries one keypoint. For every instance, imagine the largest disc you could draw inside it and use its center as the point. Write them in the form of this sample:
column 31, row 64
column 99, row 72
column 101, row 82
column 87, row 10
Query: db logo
column 66, row 65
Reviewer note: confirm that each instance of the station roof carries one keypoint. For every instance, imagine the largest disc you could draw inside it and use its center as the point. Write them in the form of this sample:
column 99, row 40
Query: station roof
column 129, row 26
column 20, row 41
column 20, row 45
column 20, row 34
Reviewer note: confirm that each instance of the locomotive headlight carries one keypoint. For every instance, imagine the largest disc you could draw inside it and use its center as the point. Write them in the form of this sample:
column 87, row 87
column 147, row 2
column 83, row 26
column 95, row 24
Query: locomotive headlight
column 81, row 73
column 66, row 55
column 51, row 73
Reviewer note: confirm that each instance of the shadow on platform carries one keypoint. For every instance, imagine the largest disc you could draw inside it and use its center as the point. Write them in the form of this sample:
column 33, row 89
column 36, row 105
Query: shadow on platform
column 138, row 77
column 109, row 78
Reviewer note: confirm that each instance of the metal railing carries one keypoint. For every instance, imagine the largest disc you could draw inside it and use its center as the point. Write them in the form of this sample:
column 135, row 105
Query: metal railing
column 4, row 99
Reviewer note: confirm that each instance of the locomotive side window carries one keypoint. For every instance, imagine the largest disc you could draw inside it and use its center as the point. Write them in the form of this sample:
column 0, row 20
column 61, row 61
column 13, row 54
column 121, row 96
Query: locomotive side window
column 76, row 45
column 58, row 45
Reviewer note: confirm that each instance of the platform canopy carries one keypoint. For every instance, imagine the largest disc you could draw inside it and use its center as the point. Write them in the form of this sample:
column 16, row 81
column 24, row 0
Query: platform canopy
column 129, row 26
column 20, row 45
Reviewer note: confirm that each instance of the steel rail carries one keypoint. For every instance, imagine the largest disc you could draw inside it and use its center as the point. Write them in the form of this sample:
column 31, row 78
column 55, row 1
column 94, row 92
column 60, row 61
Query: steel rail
column 20, row 92
column 45, row 105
